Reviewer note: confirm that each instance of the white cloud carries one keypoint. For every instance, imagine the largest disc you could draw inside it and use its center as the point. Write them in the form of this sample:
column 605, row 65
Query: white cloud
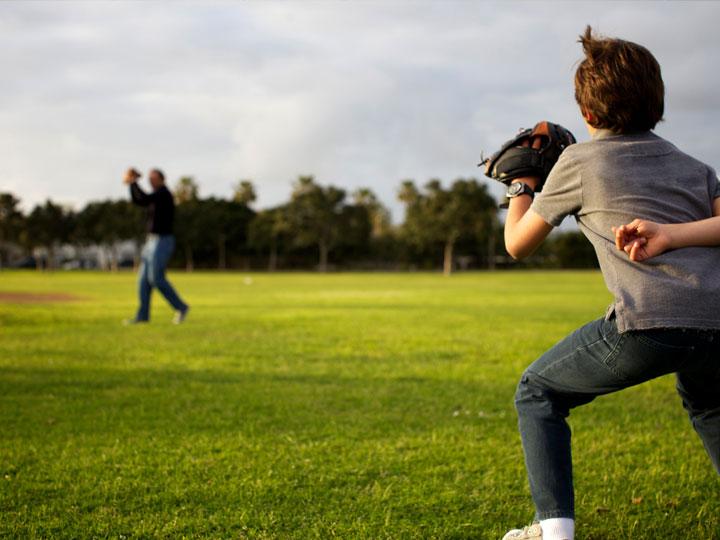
column 363, row 93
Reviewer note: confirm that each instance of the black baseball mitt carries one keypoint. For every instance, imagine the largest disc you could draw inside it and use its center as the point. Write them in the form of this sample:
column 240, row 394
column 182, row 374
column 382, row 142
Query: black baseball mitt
column 525, row 156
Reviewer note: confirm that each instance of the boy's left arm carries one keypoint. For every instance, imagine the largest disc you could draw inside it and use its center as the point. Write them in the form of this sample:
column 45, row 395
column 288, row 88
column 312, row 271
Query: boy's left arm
column 530, row 221
column 525, row 230
column 537, row 153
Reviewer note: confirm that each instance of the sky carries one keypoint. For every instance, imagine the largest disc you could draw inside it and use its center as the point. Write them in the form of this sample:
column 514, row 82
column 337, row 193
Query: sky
column 359, row 94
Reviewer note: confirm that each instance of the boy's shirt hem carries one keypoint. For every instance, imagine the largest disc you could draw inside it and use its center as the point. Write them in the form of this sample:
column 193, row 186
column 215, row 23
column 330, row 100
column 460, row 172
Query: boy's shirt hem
column 640, row 323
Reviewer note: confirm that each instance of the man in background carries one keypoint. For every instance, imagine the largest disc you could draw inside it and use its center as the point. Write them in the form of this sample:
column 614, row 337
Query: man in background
column 159, row 245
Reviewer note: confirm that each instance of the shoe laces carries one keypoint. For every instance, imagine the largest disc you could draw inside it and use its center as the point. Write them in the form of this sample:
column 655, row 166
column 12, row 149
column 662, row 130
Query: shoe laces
column 525, row 531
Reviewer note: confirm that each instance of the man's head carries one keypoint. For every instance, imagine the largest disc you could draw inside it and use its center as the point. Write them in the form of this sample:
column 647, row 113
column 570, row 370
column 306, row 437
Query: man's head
column 157, row 178
column 618, row 85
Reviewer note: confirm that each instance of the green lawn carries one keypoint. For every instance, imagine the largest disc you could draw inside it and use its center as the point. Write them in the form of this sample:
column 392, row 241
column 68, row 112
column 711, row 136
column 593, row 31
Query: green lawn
column 307, row 406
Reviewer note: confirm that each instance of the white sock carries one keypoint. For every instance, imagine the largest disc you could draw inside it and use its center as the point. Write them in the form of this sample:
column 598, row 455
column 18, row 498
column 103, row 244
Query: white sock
column 558, row 529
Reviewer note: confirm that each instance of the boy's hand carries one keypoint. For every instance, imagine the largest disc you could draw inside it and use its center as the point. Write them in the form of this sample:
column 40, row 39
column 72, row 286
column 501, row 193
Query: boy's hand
column 642, row 239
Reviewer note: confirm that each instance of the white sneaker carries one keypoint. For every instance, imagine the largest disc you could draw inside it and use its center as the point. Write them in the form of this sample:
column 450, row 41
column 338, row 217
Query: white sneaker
column 180, row 315
column 533, row 532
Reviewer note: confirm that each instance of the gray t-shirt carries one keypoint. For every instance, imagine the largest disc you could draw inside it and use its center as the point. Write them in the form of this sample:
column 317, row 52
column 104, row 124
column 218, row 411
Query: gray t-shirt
column 614, row 179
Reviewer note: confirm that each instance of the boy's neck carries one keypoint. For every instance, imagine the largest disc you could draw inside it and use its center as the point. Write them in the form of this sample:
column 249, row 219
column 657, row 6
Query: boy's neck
column 591, row 130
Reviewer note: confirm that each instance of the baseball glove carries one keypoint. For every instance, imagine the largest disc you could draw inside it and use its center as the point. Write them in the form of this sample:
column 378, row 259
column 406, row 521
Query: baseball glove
column 525, row 156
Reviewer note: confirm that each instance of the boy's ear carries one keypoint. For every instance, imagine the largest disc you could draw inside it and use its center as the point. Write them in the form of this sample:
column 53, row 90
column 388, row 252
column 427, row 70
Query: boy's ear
column 589, row 117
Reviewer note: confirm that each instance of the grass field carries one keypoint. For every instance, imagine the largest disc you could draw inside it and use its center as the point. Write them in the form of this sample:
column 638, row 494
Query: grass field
column 304, row 406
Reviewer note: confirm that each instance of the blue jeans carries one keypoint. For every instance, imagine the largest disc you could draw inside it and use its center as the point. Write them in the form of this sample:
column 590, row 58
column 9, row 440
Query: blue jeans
column 156, row 254
column 596, row 360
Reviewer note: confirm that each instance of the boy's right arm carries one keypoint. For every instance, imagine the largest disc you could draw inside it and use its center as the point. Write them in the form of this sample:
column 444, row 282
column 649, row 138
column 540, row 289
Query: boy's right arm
column 642, row 239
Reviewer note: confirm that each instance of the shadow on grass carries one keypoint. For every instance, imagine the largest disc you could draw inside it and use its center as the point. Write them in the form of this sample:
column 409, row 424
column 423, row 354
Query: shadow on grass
column 41, row 402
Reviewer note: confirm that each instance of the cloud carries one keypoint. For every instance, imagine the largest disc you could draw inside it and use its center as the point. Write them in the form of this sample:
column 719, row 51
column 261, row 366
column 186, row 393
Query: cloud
column 359, row 94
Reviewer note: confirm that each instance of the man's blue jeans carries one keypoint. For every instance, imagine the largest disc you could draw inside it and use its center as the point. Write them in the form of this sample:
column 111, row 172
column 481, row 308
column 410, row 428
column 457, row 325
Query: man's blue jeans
column 596, row 360
column 156, row 254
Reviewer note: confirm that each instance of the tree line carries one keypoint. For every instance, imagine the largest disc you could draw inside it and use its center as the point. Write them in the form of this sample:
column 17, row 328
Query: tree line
column 320, row 226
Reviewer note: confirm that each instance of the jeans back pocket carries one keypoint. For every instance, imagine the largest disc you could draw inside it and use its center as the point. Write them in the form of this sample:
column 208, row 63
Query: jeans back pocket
column 644, row 355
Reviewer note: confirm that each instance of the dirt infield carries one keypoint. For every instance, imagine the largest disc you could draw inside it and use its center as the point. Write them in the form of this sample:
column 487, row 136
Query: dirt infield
column 36, row 298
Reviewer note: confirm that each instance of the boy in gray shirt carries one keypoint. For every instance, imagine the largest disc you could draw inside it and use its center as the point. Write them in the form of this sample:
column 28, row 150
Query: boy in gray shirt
column 665, row 317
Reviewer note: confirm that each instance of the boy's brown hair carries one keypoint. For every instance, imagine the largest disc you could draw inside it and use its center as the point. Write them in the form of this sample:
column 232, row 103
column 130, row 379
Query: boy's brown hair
column 619, row 83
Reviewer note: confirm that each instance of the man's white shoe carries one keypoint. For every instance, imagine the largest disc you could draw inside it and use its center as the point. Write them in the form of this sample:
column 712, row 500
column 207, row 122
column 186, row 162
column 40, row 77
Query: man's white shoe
column 533, row 532
column 181, row 315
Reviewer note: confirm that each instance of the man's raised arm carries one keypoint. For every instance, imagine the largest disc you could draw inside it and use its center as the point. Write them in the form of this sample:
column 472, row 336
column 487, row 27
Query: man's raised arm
column 138, row 196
